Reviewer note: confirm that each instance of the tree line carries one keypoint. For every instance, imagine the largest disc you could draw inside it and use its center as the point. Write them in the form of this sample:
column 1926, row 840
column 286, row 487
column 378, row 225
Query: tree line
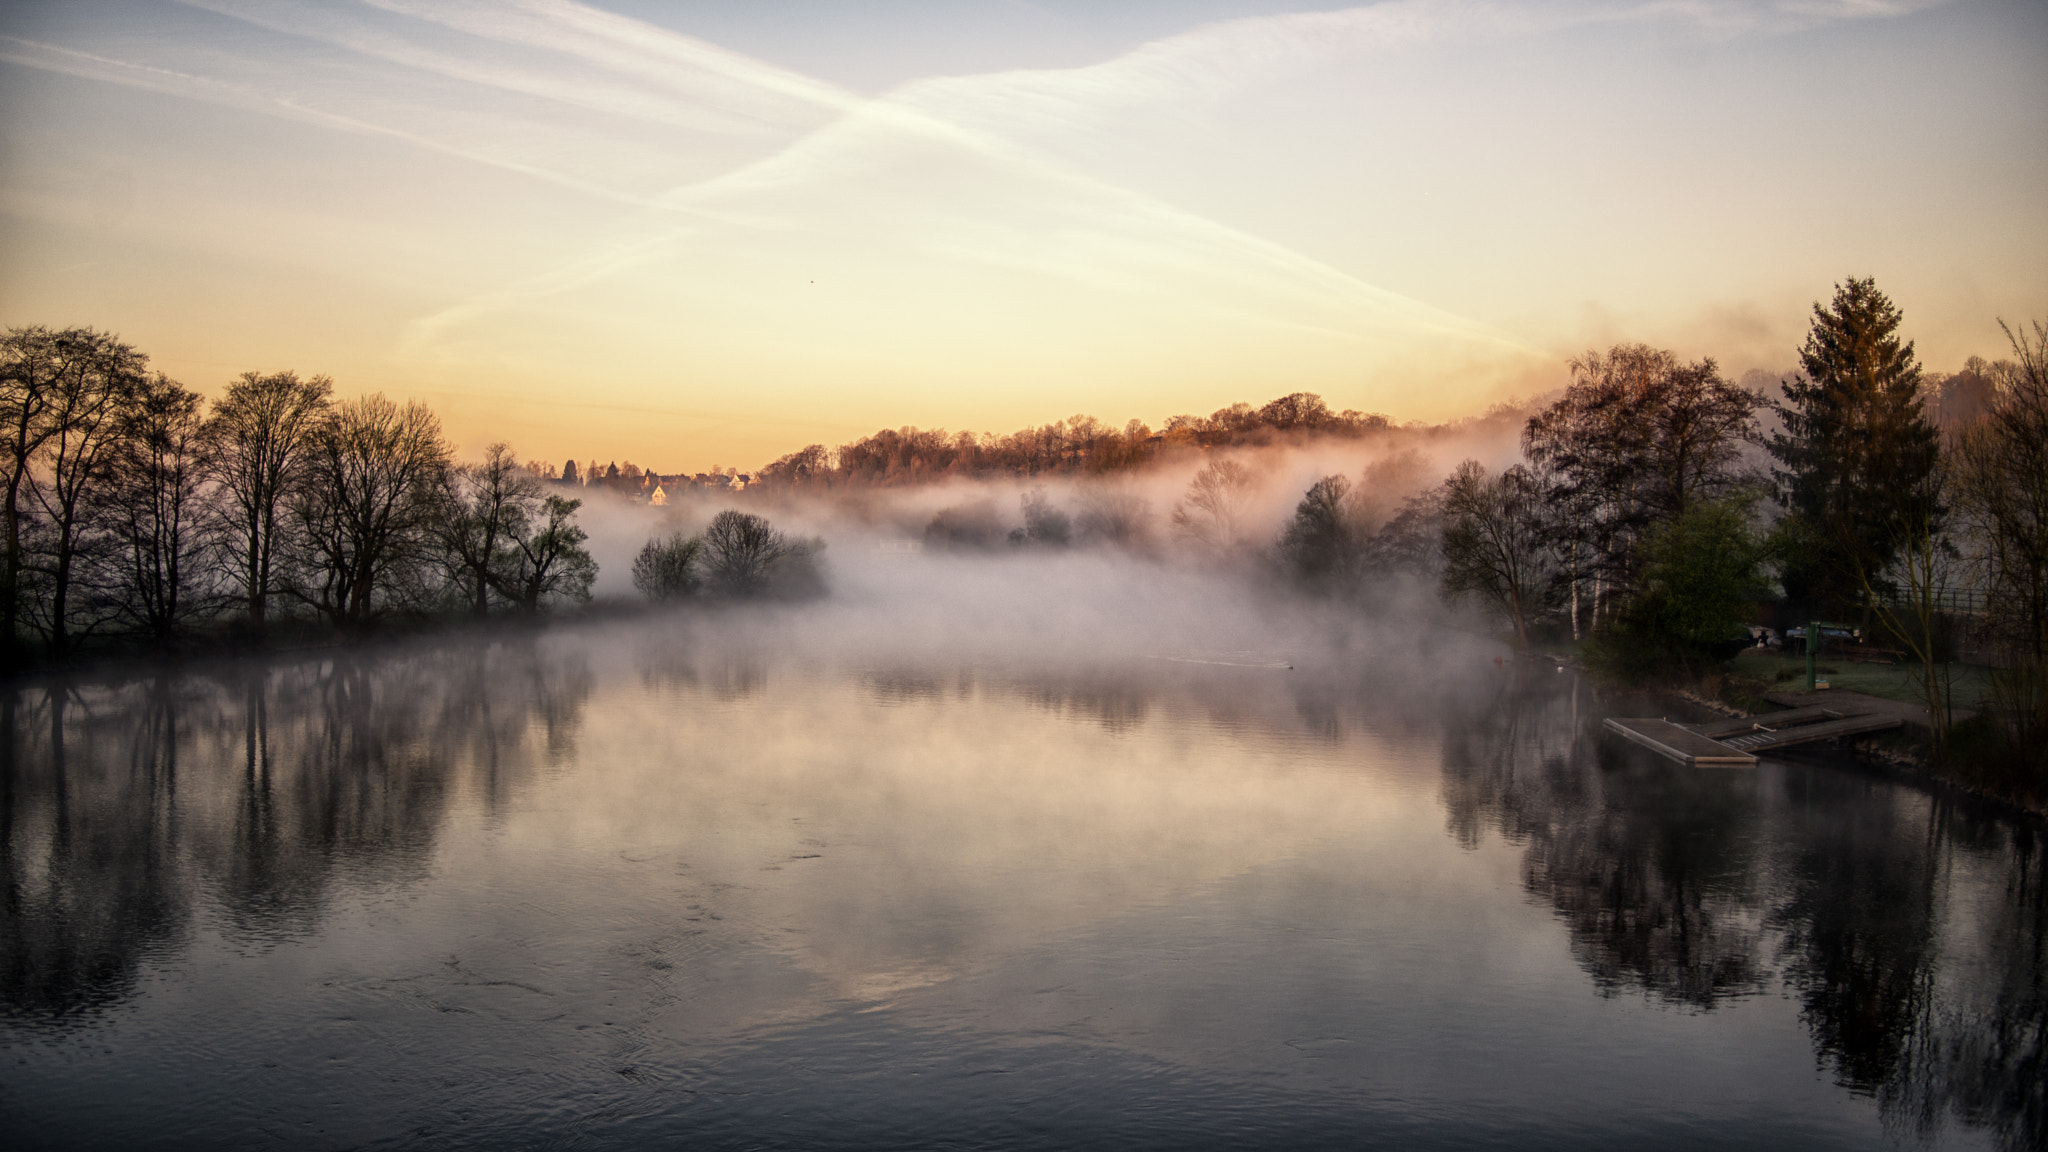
column 1657, row 503
column 136, row 514
column 1081, row 445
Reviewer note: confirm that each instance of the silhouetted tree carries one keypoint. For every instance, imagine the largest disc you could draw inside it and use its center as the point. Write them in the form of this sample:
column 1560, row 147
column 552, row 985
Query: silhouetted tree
column 87, row 409
column 488, row 502
column 2001, row 486
column 375, row 478
column 1321, row 547
column 1960, row 399
column 32, row 360
column 1637, row 439
column 1212, row 512
column 1297, row 410
column 2002, row 478
column 666, row 568
column 155, row 498
column 1856, row 450
column 972, row 525
column 258, row 436
column 1044, row 524
column 1112, row 513
column 1495, row 541
column 1412, row 543
column 546, row 559
column 741, row 551
column 802, row 468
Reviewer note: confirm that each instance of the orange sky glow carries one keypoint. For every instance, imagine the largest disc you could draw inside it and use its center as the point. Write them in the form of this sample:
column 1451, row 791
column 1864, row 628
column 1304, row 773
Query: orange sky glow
column 704, row 233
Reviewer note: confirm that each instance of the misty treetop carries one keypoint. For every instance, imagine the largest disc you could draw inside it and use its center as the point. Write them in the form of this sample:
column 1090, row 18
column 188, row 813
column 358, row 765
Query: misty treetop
column 136, row 513
column 1652, row 517
column 738, row 554
column 132, row 508
column 1080, row 445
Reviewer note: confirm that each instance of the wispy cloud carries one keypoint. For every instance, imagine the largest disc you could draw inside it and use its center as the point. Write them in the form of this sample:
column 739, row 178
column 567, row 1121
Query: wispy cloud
column 251, row 98
column 695, row 157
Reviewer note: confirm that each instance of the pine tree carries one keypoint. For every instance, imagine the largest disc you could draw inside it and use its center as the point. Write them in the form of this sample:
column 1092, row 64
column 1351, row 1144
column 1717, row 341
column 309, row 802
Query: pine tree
column 1856, row 452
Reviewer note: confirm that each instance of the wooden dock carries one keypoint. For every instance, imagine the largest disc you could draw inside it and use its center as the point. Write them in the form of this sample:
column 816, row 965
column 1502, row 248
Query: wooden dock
column 1679, row 743
column 1736, row 742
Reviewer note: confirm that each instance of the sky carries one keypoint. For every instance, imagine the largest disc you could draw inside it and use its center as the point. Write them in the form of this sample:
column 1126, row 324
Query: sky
column 697, row 234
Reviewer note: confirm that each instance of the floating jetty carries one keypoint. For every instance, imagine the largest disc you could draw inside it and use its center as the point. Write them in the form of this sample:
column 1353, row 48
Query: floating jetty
column 1736, row 742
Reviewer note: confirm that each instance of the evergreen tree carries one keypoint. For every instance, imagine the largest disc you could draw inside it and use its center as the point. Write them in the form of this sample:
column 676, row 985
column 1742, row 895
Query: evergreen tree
column 1856, row 450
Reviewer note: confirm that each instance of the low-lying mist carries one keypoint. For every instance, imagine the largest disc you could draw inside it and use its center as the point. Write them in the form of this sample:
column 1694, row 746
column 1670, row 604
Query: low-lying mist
column 1075, row 571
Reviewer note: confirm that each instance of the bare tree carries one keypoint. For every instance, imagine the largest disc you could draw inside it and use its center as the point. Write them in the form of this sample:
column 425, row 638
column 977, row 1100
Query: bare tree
column 31, row 361
column 666, row 568
column 1637, row 439
column 1114, row 513
column 741, row 551
column 257, row 440
column 1044, row 524
column 154, row 497
column 1494, row 541
column 2002, row 492
column 489, row 502
column 88, row 405
column 1907, row 595
column 546, row 559
column 1412, row 542
column 374, row 478
column 804, row 467
column 2001, row 466
column 1212, row 512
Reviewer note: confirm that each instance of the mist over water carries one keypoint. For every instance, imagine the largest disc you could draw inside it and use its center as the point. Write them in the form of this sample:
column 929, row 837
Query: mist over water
column 1073, row 848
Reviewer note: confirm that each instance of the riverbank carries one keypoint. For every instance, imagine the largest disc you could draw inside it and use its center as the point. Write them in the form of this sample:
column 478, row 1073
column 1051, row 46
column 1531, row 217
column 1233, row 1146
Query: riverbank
column 1973, row 762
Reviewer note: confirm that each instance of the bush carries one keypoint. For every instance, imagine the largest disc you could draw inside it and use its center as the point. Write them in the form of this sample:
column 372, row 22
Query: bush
column 800, row 573
column 666, row 569
column 1320, row 548
column 744, row 555
column 966, row 527
column 2004, row 748
column 1044, row 525
column 1701, row 572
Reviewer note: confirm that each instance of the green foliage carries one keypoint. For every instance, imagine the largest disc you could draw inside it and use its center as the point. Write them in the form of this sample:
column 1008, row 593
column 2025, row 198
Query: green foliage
column 1701, row 573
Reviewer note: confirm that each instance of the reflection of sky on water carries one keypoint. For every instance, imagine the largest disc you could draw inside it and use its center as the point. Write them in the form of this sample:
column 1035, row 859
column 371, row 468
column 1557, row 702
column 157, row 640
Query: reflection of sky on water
column 631, row 881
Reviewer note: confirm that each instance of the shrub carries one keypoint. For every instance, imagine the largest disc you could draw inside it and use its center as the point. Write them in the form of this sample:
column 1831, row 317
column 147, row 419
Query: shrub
column 666, row 568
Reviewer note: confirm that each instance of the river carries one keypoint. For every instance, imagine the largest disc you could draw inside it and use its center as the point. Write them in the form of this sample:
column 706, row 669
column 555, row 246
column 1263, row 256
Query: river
column 649, row 882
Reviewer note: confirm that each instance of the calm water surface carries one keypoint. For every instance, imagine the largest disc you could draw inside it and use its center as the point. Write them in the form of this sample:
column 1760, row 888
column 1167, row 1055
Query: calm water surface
column 616, row 887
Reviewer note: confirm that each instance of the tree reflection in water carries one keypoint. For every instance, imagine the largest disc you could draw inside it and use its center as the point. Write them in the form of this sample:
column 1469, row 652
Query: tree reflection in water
column 103, row 844
column 89, row 845
column 1910, row 927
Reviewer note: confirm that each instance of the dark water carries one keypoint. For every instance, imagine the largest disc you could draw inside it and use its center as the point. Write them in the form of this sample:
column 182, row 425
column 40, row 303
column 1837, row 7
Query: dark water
column 610, row 888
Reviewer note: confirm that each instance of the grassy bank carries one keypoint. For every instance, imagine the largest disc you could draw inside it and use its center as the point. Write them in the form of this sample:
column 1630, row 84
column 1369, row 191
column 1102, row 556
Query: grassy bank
column 1969, row 684
column 1977, row 755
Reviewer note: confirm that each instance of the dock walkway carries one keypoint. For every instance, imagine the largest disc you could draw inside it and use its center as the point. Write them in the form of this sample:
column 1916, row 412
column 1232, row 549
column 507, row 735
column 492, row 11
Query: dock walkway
column 1736, row 742
column 1679, row 742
